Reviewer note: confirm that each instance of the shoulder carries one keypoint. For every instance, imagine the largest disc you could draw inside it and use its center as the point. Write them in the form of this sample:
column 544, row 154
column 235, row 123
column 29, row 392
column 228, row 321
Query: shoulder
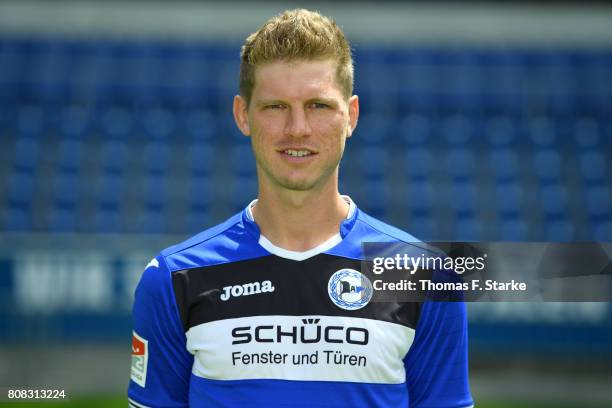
column 229, row 241
column 226, row 242
column 366, row 228
column 383, row 230
column 375, row 230
column 210, row 234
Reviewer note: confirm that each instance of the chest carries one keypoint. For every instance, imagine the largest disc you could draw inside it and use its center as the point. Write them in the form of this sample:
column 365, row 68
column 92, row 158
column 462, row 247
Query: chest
column 273, row 318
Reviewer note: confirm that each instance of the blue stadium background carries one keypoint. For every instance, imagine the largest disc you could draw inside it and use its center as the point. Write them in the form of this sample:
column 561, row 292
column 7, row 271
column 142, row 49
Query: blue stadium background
column 132, row 142
column 464, row 144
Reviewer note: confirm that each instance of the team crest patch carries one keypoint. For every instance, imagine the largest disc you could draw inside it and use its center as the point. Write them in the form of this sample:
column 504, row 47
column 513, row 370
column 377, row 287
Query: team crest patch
column 349, row 289
column 140, row 356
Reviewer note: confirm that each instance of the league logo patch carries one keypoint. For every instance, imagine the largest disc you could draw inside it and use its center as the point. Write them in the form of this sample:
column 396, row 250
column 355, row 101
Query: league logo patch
column 140, row 355
column 349, row 289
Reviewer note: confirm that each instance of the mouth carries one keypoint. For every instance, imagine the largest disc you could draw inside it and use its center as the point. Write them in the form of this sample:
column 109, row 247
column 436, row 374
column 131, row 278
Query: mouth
column 297, row 153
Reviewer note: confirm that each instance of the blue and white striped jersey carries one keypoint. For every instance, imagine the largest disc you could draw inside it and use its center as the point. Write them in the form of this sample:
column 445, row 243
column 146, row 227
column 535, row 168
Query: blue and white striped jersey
column 227, row 319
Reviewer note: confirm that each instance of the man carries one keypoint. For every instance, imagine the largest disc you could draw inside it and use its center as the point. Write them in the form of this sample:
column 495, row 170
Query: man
column 265, row 309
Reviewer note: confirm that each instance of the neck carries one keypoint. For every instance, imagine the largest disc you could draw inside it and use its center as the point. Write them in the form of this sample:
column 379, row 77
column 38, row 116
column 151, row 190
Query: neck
column 299, row 220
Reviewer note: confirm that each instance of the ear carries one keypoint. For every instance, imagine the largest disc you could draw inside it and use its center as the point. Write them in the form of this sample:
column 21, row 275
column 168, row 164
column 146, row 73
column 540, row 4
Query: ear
column 353, row 111
column 241, row 116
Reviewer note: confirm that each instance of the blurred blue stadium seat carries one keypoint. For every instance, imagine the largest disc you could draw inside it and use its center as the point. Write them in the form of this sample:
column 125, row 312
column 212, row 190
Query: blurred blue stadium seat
column 587, row 133
column 548, row 165
column 559, row 230
column 75, row 121
column 373, row 128
column 159, row 123
column 200, row 159
column 602, row 231
column 17, row 219
column 593, row 167
column 110, row 191
column 554, row 200
column 462, row 198
column 156, row 157
column 509, row 200
column 200, row 192
column 21, row 188
column 542, row 131
column 460, row 164
column 117, row 123
column 31, row 120
column 504, row 165
column 151, row 221
column 424, row 228
column 107, row 220
column 242, row 190
column 155, row 192
column 420, row 198
column 63, row 220
column 500, row 131
column 468, row 229
column 66, row 190
column 197, row 221
column 199, row 124
column 415, row 100
column 513, row 230
column 457, row 130
column 113, row 156
column 27, row 154
column 598, row 202
column 242, row 161
column 378, row 198
column 415, row 130
column 419, row 163
column 69, row 155
column 374, row 162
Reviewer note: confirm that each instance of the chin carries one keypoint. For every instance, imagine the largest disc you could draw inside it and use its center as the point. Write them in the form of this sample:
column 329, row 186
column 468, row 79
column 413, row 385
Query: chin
column 297, row 184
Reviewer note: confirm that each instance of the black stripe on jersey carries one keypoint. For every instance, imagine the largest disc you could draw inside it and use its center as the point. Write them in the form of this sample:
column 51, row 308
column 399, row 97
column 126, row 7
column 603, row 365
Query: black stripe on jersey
column 300, row 288
column 134, row 404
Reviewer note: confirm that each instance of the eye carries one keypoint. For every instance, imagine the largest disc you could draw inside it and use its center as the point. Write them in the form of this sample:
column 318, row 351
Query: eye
column 275, row 106
column 319, row 105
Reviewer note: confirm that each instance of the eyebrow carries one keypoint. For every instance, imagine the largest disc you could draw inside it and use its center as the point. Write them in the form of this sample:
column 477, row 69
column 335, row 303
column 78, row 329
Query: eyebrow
column 266, row 102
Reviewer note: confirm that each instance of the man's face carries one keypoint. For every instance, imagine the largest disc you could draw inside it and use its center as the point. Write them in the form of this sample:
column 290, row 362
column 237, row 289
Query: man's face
column 298, row 120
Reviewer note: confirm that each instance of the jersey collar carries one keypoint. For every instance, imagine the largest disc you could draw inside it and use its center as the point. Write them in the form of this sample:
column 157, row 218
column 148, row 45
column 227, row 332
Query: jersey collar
column 345, row 227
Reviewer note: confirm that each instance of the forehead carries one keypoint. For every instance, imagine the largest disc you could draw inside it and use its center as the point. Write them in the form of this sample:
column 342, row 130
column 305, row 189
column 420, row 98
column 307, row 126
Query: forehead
column 296, row 79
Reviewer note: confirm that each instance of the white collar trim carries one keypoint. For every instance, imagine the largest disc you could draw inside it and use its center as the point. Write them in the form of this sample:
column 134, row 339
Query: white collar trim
column 300, row 255
column 297, row 255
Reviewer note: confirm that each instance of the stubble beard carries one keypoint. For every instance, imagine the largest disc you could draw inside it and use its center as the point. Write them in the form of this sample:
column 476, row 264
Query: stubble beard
column 304, row 184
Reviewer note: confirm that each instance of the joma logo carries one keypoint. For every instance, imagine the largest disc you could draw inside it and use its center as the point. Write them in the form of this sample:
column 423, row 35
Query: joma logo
column 246, row 289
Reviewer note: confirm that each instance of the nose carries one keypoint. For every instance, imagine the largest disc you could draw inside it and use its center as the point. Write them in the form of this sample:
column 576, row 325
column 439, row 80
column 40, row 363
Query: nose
column 297, row 124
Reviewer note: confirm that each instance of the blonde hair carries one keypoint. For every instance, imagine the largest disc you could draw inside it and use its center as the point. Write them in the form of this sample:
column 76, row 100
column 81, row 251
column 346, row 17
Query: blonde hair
column 292, row 36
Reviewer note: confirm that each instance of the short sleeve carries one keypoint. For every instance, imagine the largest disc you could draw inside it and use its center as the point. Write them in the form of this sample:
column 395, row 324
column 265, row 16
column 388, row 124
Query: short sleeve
column 161, row 364
column 437, row 363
